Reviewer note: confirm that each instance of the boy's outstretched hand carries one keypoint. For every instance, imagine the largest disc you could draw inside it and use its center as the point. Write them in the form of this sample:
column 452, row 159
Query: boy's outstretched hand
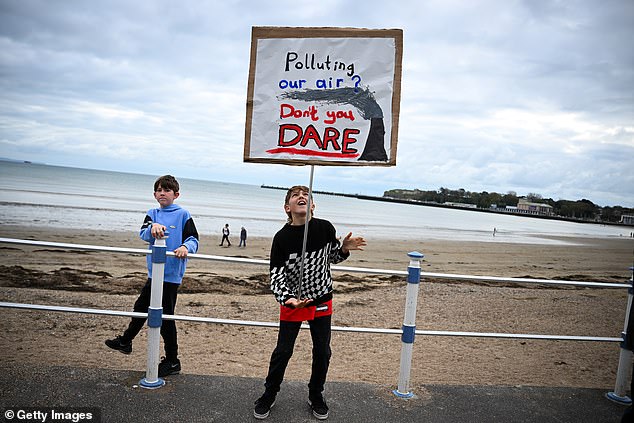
column 349, row 243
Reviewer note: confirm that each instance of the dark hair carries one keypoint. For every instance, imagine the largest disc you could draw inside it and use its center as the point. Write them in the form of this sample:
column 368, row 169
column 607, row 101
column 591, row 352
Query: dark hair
column 167, row 182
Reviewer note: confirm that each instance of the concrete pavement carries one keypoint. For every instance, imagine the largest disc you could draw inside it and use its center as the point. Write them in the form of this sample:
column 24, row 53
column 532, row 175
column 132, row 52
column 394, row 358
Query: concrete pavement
column 116, row 397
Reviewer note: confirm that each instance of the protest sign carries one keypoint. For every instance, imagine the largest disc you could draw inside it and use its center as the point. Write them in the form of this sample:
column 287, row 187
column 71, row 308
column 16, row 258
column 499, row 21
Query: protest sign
column 325, row 96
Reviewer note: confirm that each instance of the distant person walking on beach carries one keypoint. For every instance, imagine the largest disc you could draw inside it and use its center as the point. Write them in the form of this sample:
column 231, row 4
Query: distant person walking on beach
column 494, row 231
column 307, row 299
column 175, row 224
column 243, row 237
column 225, row 235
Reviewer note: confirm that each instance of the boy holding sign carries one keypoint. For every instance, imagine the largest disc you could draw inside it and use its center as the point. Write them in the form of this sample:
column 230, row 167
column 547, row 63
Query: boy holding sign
column 305, row 298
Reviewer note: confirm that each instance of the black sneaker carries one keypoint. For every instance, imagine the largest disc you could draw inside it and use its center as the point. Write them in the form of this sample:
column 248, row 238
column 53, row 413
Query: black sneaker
column 119, row 345
column 168, row 367
column 319, row 407
column 263, row 406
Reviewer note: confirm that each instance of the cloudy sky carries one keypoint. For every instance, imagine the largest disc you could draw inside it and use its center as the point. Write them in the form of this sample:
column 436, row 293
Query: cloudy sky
column 532, row 96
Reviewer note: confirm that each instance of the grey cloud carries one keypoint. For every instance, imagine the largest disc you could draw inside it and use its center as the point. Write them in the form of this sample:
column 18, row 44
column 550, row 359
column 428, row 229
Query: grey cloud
column 160, row 71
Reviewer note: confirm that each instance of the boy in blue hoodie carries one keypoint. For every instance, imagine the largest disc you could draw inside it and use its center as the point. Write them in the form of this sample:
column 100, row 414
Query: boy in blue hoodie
column 182, row 239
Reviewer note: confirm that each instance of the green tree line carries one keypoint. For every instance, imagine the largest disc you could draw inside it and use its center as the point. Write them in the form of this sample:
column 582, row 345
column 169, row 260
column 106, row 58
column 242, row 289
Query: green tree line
column 579, row 209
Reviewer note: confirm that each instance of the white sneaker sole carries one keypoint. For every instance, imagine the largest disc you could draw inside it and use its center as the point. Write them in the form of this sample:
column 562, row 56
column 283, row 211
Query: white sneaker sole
column 317, row 415
column 263, row 416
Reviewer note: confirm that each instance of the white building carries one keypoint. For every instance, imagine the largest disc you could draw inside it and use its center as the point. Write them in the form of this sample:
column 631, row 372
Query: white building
column 525, row 206
column 627, row 220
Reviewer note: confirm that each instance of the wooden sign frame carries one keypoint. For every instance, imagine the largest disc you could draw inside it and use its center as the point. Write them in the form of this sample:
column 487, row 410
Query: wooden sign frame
column 307, row 104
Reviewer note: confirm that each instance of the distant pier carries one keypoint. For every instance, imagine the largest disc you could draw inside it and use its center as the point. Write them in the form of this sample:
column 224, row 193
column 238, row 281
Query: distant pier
column 454, row 206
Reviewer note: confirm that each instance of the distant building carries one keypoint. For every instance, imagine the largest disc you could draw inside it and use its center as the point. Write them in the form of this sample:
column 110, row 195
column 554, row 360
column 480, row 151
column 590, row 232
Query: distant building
column 525, row 206
column 627, row 220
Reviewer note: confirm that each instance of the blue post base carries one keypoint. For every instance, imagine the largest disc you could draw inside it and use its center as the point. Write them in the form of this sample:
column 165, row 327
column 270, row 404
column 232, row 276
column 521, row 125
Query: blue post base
column 406, row 395
column 618, row 399
column 144, row 383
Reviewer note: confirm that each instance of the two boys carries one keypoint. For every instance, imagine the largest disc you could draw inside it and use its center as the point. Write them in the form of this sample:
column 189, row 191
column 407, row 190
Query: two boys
column 301, row 285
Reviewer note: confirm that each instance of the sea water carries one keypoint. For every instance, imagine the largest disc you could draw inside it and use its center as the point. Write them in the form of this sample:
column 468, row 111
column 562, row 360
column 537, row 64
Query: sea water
column 63, row 197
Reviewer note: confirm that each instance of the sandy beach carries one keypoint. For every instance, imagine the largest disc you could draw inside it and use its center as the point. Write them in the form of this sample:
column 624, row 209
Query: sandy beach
column 65, row 277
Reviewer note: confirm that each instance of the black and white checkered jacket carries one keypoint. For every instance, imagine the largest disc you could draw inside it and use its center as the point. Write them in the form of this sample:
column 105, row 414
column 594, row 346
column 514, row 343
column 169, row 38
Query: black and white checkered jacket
column 322, row 249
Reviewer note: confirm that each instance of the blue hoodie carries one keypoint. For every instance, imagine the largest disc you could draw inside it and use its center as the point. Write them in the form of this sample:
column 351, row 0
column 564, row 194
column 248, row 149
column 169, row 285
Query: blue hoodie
column 181, row 231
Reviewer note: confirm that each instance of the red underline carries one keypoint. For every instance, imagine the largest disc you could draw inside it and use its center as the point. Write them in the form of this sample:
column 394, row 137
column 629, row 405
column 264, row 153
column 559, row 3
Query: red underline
column 306, row 152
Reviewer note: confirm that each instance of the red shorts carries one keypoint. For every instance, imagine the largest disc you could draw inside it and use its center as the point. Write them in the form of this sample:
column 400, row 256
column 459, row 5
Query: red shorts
column 288, row 314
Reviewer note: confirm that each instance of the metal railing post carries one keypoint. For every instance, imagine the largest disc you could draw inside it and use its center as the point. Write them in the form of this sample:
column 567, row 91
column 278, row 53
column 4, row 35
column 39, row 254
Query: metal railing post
column 624, row 371
column 155, row 316
column 409, row 325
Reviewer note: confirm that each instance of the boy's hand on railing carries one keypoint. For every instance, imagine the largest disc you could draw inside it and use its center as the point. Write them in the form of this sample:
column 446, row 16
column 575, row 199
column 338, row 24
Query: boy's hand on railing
column 181, row 252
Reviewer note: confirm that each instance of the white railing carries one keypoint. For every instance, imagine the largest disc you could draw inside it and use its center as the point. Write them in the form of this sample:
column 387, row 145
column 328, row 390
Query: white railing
column 407, row 332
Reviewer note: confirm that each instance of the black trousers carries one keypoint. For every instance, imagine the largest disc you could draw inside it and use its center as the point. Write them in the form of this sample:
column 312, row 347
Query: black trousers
column 320, row 334
column 168, row 327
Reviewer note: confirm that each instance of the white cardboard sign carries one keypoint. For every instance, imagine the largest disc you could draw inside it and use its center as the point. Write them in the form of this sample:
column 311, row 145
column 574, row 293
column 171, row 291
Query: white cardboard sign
column 326, row 96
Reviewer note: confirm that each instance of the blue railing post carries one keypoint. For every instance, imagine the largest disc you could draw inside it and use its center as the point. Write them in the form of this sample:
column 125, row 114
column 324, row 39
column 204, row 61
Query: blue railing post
column 409, row 325
column 155, row 316
column 624, row 371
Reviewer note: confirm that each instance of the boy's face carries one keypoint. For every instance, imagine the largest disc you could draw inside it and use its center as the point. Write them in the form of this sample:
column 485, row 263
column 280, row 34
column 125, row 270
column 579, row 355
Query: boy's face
column 297, row 203
column 165, row 196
